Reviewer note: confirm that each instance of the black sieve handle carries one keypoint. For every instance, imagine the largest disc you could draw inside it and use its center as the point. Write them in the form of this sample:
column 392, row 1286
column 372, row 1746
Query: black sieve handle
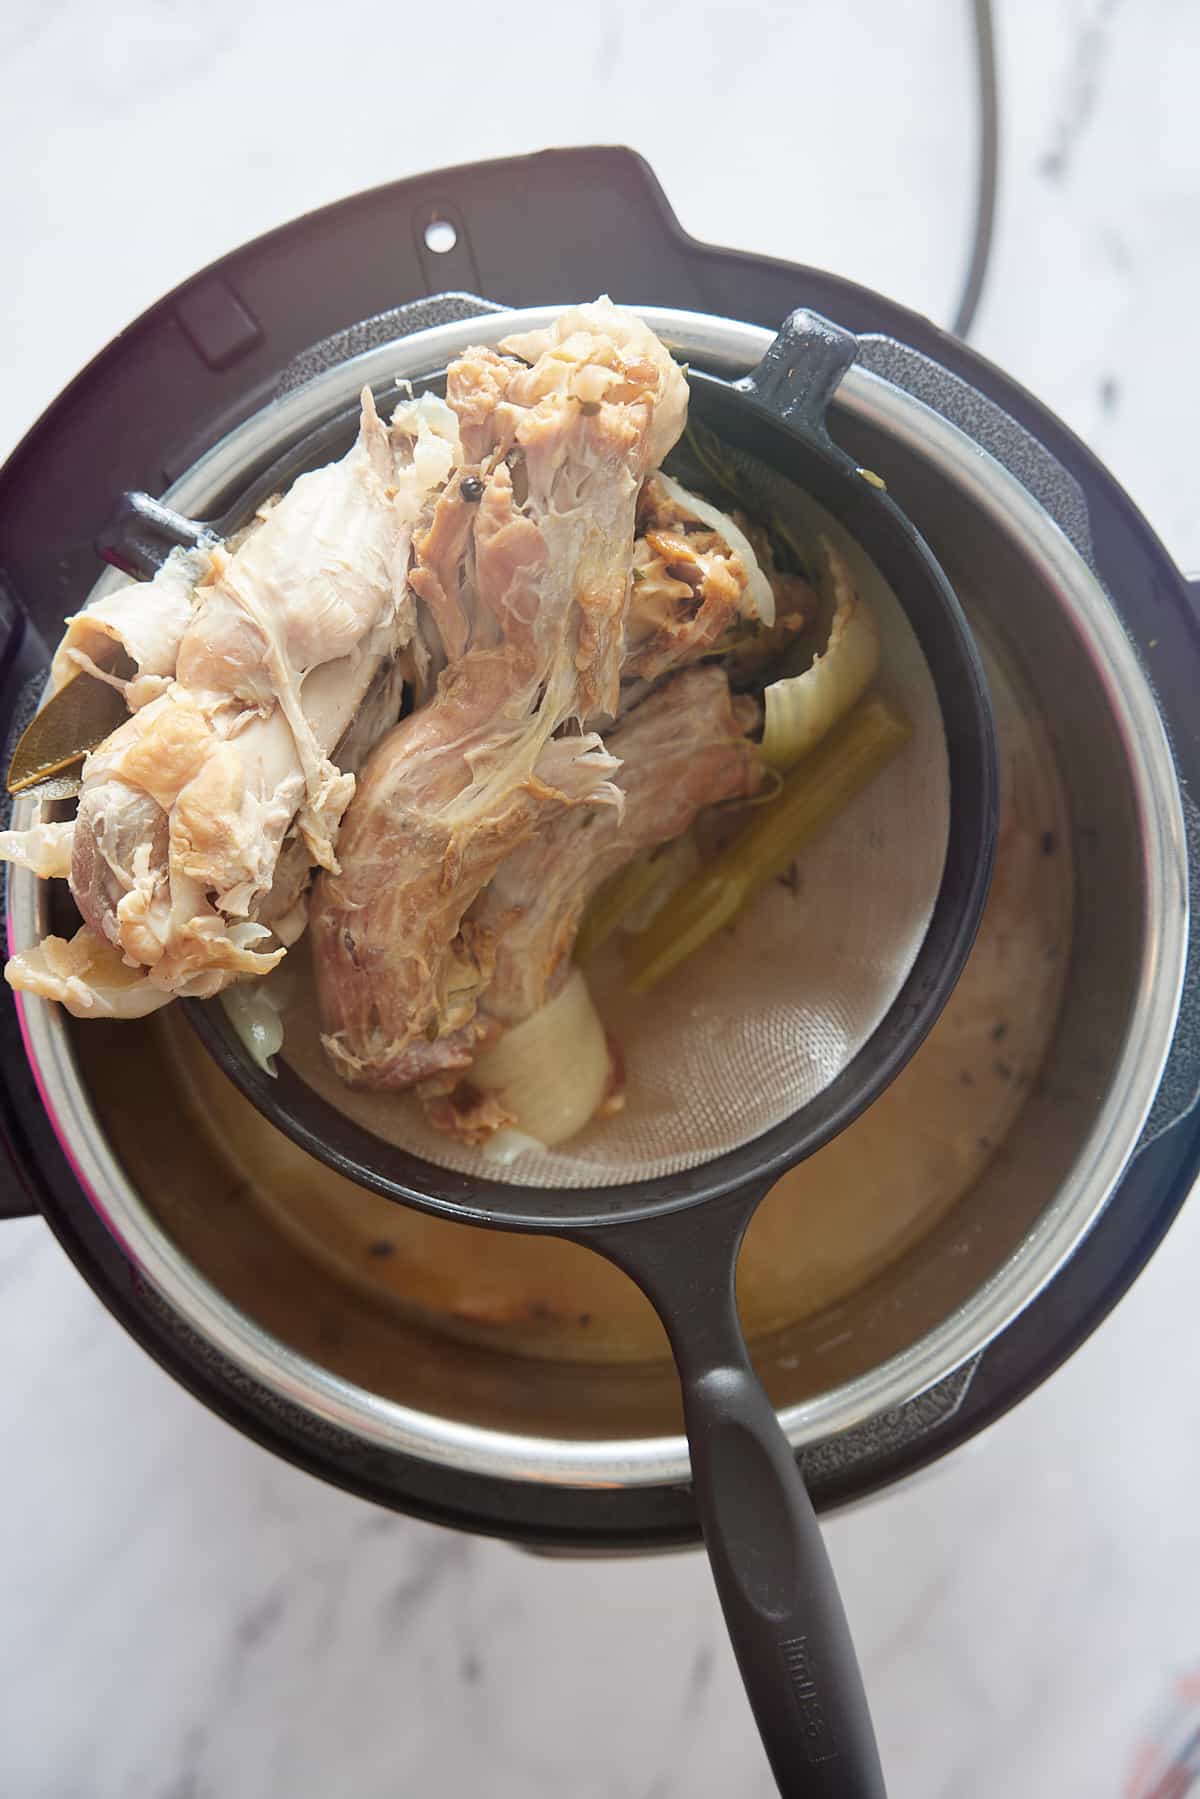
column 142, row 532
column 800, row 372
column 772, row 1571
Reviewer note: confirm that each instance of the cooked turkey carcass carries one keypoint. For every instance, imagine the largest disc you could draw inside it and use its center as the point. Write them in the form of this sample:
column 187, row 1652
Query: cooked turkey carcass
column 398, row 973
column 685, row 747
column 184, row 809
column 530, row 596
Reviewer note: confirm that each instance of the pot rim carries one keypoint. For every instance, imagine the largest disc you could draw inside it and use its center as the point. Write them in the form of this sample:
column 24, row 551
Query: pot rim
column 731, row 348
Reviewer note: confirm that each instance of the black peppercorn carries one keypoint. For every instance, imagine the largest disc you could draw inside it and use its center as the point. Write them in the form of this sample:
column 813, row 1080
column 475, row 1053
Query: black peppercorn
column 472, row 489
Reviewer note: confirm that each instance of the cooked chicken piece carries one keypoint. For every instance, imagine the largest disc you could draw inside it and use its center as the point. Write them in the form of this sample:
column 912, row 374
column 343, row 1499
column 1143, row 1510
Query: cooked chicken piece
column 614, row 371
column 398, row 974
column 597, row 352
column 44, row 848
column 533, row 584
column 89, row 977
column 379, row 711
column 476, row 383
column 683, row 748
column 131, row 638
column 695, row 578
column 442, row 553
column 284, row 910
column 184, row 809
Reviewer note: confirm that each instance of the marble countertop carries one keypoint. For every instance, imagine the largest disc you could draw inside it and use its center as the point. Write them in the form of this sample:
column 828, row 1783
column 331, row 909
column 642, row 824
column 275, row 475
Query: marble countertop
column 186, row 1618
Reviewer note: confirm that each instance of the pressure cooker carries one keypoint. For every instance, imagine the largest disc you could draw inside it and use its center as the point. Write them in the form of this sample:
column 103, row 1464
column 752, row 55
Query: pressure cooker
column 110, row 1134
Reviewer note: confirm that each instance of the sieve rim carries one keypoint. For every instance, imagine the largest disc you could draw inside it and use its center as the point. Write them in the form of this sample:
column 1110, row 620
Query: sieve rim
column 928, row 600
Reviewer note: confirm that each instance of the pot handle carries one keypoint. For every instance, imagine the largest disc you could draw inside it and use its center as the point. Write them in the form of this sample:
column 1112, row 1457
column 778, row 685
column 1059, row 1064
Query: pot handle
column 772, row 1571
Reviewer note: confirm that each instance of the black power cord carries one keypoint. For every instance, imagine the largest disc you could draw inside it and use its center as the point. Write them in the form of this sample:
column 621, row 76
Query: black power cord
column 989, row 160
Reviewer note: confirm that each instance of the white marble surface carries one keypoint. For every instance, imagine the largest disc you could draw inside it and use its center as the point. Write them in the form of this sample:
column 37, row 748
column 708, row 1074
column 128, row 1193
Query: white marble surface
column 183, row 1617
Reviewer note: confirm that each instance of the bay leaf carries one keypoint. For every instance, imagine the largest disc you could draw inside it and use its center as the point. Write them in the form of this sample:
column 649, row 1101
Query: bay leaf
column 80, row 715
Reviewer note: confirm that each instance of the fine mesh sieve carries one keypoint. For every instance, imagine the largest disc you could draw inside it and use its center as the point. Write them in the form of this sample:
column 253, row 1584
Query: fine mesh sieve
column 750, row 1062
column 802, row 1011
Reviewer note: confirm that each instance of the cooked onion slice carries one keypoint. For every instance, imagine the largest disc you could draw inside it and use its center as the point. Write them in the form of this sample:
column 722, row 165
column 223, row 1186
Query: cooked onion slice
column 255, row 1010
column 551, row 1072
column 801, row 709
column 504, row 1148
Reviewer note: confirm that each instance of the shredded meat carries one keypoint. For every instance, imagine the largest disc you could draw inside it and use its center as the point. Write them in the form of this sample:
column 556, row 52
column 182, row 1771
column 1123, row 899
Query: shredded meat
column 398, row 974
column 747, row 656
column 687, row 588
column 462, row 1111
column 442, row 557
column 690, row 590
column 562, row 428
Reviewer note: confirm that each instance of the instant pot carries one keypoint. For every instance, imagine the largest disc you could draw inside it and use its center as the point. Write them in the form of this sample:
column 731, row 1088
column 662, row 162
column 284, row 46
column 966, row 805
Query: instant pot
column 106, row 1134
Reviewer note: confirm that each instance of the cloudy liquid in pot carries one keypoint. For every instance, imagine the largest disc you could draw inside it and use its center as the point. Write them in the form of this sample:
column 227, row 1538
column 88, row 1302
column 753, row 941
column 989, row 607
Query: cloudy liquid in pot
column 828, row 1226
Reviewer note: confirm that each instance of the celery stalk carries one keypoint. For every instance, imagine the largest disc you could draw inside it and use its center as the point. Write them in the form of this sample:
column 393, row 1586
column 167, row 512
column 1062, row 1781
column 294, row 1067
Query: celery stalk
column 810, row 799
column 612, row 902
column 631, row 899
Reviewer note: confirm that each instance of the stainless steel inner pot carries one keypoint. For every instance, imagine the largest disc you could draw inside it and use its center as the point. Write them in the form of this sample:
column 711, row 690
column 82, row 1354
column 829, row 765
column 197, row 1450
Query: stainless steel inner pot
column 221, row 1266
